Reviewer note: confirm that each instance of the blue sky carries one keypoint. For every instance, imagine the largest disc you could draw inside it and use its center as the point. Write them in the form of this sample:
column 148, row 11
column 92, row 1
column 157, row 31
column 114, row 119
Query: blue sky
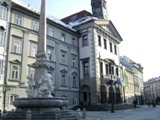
column 137, row 21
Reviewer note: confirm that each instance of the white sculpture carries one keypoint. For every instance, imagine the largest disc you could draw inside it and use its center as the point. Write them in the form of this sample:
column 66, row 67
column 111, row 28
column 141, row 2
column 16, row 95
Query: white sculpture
column 45, row 87
column 31, row 85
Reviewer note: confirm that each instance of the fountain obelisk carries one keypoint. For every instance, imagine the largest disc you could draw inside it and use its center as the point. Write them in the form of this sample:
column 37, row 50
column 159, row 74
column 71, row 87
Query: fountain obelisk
column 41, row 50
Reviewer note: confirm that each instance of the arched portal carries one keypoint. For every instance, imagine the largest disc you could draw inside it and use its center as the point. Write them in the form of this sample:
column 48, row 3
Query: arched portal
column 111, row 95
column 86, row 95
column 104, row 94
column 118, row 95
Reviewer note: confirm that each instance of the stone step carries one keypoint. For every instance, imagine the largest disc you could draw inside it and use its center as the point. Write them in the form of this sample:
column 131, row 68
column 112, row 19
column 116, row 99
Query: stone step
column 65, row 115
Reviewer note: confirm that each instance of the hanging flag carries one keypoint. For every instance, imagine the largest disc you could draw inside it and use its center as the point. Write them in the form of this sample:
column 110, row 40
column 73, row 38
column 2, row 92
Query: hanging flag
column 126, row 78
column 119, row 81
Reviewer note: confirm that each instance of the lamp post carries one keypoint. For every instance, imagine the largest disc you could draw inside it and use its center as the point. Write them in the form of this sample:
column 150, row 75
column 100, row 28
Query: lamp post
column 4, row 96
column 153, row 101
column 101, row 74
column 112, row 107
column 152, row 91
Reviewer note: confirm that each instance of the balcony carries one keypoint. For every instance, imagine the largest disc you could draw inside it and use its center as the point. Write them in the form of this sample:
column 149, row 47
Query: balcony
column 108, row 78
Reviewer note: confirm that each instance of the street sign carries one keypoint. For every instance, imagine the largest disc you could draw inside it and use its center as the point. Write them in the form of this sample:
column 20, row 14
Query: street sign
column 8, row 88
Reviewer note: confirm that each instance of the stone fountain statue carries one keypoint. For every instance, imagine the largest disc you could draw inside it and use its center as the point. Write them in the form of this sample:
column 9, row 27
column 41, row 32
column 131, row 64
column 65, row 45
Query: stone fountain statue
column 41, row 96
column 46, row 87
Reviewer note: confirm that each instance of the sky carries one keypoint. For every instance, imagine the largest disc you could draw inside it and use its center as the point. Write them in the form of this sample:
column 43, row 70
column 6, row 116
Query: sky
column 137, row 21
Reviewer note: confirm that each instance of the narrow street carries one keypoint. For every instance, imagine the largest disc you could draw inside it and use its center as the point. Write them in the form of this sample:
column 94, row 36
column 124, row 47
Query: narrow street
column 143, row 113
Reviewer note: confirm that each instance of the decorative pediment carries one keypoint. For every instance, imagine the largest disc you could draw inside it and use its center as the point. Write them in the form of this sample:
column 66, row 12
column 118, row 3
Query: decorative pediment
column 63, row 71
column 31, row 64
column 109, row 27
column 15, row 61
column 109, row 60
column 74, row 73
column 114, row 31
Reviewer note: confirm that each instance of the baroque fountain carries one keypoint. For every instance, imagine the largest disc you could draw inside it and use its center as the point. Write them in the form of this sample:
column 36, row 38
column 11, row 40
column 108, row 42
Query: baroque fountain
column 41, row 88
column 41, row 102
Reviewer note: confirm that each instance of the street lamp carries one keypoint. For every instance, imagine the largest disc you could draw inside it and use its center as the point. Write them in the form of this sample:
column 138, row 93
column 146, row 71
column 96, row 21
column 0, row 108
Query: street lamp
column 112, row 107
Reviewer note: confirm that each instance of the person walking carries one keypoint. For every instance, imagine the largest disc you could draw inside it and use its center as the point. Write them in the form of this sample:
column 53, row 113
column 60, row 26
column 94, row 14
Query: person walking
column 149, row 103
column 134, row 102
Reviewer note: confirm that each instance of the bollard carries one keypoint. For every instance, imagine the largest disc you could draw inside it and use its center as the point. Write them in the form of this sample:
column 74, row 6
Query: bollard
column 4, row 116
column 28, row 115
column 84, row 113
column 58, row 115
column 78, row 114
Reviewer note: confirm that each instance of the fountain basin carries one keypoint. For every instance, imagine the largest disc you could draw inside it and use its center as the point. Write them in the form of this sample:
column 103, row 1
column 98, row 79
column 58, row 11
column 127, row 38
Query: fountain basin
column 39, row 102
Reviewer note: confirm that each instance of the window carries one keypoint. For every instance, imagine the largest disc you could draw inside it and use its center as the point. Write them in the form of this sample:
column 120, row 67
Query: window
column 73, row 41
column 19, row 20
column 33, row 50
column 50, row 31
column 1, row 66
column 110, row 47
column 105, row 44
column 112, row 70
column 74, row 81
column 86, row 67
column 63, row 79
column 35, row 25
column 12, row 98
column 49, row 54
column 63, row 58
column 99, row 40
column 15, row 72
column 117, row 71
column 115, row 49
column 31, row 72
column 73, row 61
column 74, row 101
column 2, row 38
column 85, row 40
column 3, row 12
column 101, row 67
column 16, row 46
column 63, row 37
column 106, row 69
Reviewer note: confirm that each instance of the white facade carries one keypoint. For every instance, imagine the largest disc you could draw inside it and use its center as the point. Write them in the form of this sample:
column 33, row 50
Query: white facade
column 4, row 31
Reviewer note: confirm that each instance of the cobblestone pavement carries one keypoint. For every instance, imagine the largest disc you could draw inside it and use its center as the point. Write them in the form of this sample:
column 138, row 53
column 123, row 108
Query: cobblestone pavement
column 143, row 113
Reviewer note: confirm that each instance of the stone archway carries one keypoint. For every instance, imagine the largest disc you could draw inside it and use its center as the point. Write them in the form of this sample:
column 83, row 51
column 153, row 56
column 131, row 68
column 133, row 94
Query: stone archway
column 118, row 95
column 111, row 95
column 86, row 95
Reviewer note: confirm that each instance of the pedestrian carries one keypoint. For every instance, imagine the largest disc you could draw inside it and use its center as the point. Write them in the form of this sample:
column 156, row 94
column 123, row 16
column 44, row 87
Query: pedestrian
column 149, row 103
column 134, row 102
column 153, row 103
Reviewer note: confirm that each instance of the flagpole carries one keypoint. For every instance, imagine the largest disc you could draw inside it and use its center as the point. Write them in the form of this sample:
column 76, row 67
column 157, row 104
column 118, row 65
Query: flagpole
column 100, row 78
column 123, row 86
column 124, row 94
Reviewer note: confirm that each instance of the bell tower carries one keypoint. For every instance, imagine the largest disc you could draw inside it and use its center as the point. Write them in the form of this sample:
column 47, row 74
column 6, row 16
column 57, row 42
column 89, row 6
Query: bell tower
column 99, row 9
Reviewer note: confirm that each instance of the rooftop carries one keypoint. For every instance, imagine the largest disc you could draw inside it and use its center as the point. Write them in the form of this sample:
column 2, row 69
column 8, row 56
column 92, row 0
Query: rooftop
column 34, row 9
column 152, row 80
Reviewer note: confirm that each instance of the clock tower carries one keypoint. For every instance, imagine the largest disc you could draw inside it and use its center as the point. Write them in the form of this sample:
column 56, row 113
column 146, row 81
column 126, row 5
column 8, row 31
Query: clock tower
column 99, row 9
